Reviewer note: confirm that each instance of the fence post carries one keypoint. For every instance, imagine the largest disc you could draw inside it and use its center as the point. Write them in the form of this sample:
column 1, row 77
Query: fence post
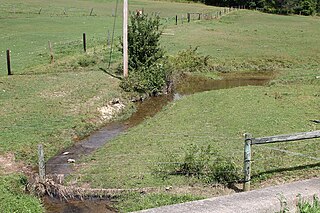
column 84, row 42
column 247, row 162
column 42, row 172
column 9, row 62
column 51, row 52
column 188, row 16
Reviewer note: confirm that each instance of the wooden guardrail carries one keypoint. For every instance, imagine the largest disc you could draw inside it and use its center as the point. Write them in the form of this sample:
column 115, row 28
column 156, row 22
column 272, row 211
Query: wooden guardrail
column 249, row 141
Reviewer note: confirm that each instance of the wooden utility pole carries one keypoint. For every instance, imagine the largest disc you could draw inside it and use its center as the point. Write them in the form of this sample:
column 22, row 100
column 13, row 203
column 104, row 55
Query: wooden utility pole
column 125, row 38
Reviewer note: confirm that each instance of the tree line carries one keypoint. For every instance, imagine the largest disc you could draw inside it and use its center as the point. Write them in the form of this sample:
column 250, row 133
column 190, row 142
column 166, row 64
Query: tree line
column 303, row 7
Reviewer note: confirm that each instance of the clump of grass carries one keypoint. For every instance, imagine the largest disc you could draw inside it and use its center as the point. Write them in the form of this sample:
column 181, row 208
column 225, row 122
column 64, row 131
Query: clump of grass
column 309, row 207
column 86, row 61
column 12, row 197
column 135, row 201
column 302, row 206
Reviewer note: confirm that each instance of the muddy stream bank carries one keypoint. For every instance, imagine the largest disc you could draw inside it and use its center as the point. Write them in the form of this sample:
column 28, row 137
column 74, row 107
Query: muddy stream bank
column 58, row 165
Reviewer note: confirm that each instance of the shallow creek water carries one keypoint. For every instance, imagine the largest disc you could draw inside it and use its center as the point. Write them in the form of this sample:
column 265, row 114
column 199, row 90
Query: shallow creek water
column 148, row 108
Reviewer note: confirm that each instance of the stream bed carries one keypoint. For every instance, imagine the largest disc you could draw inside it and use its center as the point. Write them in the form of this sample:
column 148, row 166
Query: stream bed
column 188, row 85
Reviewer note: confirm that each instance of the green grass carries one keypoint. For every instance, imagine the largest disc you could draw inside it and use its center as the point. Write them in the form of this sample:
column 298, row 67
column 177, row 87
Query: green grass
column 243, row 39
column 136, row 201
column 12, row 197
column 27, row 33
column 56, row 104
column 50, row 109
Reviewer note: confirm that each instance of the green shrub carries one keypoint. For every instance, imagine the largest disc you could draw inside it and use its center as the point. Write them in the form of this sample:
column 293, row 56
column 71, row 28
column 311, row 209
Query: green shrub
column 149, row 80
column 203, row 163
column 190, row 60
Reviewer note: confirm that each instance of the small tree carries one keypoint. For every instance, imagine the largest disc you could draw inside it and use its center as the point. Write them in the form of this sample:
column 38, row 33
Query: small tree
column 147, row 72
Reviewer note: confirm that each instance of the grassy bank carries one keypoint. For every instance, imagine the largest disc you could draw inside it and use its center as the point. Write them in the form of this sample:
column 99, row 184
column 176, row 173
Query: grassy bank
column 57, row 104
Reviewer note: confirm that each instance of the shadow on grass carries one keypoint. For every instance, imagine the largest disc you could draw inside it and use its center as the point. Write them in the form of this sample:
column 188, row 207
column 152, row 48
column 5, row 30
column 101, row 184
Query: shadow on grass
column 290, row 169
column 111, row 74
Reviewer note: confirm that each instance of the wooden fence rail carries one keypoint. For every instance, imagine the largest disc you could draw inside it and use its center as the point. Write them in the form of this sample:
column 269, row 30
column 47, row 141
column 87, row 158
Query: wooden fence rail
column 249, row 141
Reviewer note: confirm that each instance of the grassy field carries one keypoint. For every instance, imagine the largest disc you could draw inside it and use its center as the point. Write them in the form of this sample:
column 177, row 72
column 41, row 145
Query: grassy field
column 26, row 33
column 57, row 104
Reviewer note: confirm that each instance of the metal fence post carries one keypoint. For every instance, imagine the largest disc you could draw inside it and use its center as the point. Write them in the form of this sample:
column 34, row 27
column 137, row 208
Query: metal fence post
column 247, row 162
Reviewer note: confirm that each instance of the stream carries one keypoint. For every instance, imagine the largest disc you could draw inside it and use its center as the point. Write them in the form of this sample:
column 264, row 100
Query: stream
column 148, row 108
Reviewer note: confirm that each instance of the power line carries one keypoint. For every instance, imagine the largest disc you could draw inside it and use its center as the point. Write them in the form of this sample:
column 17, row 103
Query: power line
column 112, row 39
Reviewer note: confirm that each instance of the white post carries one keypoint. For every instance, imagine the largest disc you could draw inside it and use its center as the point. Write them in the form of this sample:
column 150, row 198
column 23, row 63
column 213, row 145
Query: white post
column 125, row 38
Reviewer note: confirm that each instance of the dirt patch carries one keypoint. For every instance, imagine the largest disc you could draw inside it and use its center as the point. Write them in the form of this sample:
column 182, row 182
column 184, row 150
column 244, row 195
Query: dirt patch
column 110, row 110
column 55, row 94
column 8, row 165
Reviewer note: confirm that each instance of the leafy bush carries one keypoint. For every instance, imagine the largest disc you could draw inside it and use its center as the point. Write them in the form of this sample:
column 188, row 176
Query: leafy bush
column 147, row 73
column 149, row 80
column 190, row 60
column 201, row 162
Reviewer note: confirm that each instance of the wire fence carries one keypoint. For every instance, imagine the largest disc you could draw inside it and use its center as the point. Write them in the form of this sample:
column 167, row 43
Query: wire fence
column 21, row 59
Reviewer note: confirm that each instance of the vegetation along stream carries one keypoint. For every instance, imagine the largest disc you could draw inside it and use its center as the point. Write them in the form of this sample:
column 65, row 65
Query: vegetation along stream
column 58, row 165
